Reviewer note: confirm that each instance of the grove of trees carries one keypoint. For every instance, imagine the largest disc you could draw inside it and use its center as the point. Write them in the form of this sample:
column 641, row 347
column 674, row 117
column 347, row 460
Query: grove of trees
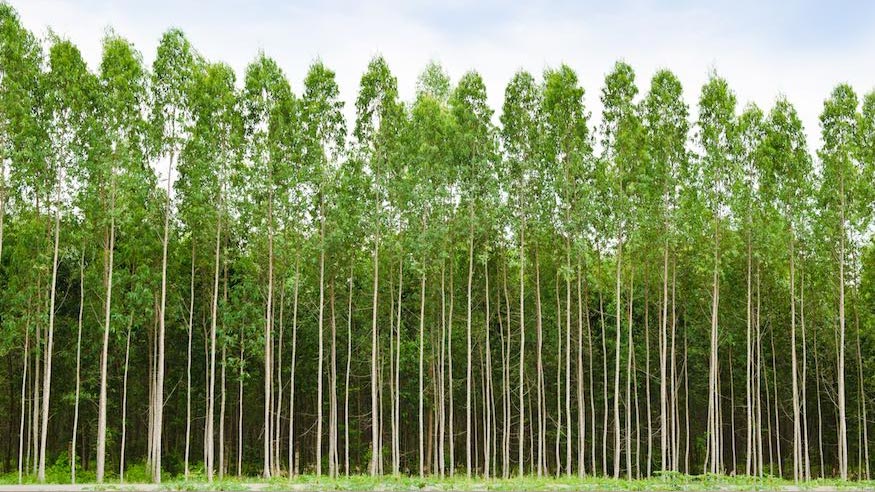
column 202, row 272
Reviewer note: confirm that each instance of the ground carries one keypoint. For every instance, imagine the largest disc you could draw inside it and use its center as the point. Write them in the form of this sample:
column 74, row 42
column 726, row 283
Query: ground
column 309, row 482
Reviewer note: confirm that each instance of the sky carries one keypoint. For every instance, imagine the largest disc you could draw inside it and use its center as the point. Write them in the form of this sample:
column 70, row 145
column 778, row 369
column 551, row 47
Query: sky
column 798, row 49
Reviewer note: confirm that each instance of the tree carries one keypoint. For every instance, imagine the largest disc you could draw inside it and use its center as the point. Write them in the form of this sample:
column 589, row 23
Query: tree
column 841, row 178
column 718, row 138
column 519, row 133
column 377, row 121
column 323, row 139
column 569, row 149
column 170, row 122
column 267, row 101
column 665, row 119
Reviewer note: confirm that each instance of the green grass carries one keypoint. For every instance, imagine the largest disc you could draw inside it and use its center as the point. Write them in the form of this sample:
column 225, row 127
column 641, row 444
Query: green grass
column 672, row 481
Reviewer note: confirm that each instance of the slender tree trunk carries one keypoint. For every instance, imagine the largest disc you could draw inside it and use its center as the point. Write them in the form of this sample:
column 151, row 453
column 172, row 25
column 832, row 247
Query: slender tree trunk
column 240, row 410
column 505, row 361
column 777, row 423
column 673, row 392
column 396, row 443
column 188, row 366
column 647, row 378
column 375, row 430
column 713, row 451
column 158, row 403
column 619, row 321
column 864, row 421
column 589, row 338
column 292, row 463
column 121, row 466
column 522, row 429
column 665, row 457
column 277, row 438
column 759, row 379
column 559, row 363
column 47, row 376
column 686, row 407
column 346, row 383
column 268, row 344
column 78, row 366
column 750, row 463
column 819, row 409
column 797, row 434
column 629, row 377
column 319, row 375
column 222, row 416
column 581, row 402
column 488, row 395
column 840, row 377
column 450, row 389
column 568, row 431
column 807, row 455
column 332, row 397
column 542, row 403
column 21, row 429
column 421, row 375
column 468, row 374
column 214, row 315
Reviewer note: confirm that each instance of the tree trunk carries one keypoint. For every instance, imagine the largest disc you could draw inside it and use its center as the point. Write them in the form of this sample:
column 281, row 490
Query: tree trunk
column 619, row 319
column 665, row 457
column 121, row 466
column 78, row 366
column 375, row 430
column 188, row 367
column 521, row 435
column 214, row 314
column 421, row 375
column 158, row 402
column 319, row 323
column 21, row 428
column 268, row 344
column 346, row 383
column 292, row 463
column 542, row 404
column 840, row 377
column 47, row 377
column 468, row 375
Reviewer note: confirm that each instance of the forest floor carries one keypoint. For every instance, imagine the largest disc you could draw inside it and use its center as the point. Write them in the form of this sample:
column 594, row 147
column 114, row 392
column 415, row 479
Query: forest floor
column 359, row 482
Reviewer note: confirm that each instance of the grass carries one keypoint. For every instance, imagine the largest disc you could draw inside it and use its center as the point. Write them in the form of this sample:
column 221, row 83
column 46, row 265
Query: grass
column 136, row 476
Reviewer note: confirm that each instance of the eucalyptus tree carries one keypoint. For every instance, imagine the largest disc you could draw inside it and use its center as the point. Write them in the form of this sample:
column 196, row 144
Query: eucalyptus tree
column 69, row 93
column 842, row 173
column 666, row 125
column 121, row 102
column 621, row 131
column 519, row 119
column 717, row 134
column 324, row 133
column 267, row 103
column 204, row 171
column 568, row 147
column 434, row 84
column 787, row 166
column 746, row 206
column 22, row 156
column 475, row 149
column 378, row 119
column 172, row 75
column 429, row 132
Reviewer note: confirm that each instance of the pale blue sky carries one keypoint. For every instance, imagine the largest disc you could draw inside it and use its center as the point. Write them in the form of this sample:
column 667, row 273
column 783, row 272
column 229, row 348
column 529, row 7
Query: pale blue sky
column 797, row 48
